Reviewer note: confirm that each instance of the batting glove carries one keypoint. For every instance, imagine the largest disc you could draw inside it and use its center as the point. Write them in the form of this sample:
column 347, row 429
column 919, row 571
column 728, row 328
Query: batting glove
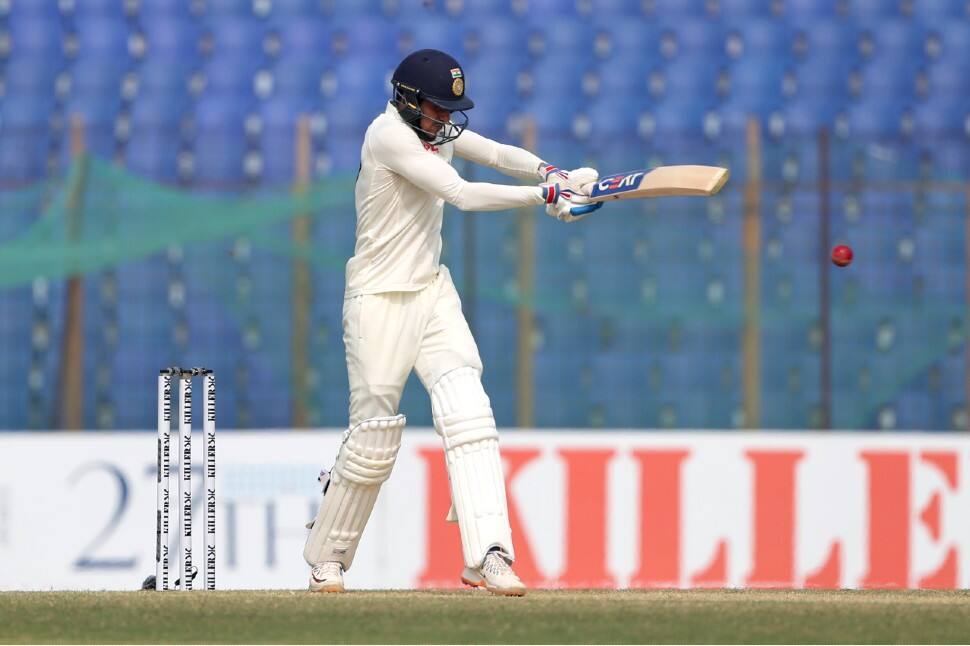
column 565, row 204
column 579, row 180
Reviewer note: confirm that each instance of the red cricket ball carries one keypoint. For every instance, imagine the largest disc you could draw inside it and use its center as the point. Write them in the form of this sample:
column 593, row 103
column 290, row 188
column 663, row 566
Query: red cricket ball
column 842, row 255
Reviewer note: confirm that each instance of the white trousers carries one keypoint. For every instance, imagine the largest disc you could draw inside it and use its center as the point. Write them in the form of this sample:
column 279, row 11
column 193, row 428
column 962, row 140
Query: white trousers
column 387, row 335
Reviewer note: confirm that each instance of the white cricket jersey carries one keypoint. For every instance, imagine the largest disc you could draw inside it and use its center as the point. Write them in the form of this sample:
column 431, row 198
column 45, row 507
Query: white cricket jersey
column 400, row 195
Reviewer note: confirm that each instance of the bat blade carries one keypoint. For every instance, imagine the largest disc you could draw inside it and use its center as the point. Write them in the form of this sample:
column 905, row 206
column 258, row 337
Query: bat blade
column 664, row 181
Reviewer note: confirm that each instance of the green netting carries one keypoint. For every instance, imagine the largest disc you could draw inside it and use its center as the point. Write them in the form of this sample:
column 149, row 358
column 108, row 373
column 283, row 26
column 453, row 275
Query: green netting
column 100, row 216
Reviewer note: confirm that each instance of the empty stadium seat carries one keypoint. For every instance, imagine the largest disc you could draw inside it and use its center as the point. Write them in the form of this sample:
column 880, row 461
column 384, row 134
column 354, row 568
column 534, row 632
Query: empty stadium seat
column 757, row 38
column 497, row 36
column 220, row 142
column 24, row 136
column 171, row 36
column 690, row 38
column 830, row 38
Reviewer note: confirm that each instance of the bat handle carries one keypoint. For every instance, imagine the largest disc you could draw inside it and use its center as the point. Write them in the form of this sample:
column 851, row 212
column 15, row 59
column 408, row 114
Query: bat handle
column 586, row 209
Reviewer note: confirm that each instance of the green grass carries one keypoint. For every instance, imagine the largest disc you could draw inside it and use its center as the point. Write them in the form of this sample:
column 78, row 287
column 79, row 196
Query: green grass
column 584, row 616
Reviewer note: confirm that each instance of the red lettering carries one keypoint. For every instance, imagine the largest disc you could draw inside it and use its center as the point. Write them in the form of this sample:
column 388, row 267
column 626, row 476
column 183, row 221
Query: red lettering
column 442, row 557
column 774, row 518
column 586, row 518
column 889, row 510
column 830, row 574
column 525, row 564
column 945, row 576
column 660, row 505
column 715, row 574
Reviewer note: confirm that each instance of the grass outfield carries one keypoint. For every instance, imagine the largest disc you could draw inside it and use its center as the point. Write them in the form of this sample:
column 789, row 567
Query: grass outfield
column 582, row 616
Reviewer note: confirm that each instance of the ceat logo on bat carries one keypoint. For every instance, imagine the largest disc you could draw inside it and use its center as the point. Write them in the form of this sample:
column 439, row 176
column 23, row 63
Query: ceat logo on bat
column 619, row 183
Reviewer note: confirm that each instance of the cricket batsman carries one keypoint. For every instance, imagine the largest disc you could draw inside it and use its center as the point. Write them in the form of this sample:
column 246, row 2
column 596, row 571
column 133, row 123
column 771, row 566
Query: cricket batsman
column 402, row 312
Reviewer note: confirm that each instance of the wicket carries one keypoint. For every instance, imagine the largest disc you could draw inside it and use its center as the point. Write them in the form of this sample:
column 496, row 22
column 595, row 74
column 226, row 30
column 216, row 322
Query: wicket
column 163, row 502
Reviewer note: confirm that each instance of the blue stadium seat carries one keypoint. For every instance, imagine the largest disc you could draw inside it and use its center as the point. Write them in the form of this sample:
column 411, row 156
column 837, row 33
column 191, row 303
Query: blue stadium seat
column 299, row 80
column 304, row 39
column 228, row 9
column 955, row 40
column 154, row 144
column 821, row 79
column 16, row 11
column 626, row 76
column 149, row 10
column 831, row 39
column 30, row 74
column 949, row 79
column 731, row 9
column 549, row 81
column 617, row 11
column 553, row 8
column 690, row 79
column 554, row 38
column 561, row 389
column 941, row 117
column 664, row 9
column 918, row 411
column 629, row 39
column 799, row 11
column 172, row 36
column 98, row 9
column 287, row 10
column 612, row 132
column 237, row 38
column 620, row 407
column 346, row 125
column 35, row 35
column 99, row 75
column 950, row 157
column 220, row 143
column 431, row 32
column 227, row 74
column 873, row 9
column 278, row 139
column 759, row 38
column 690, row 38
column 491, row 116
column 937, row 11
column 24, row 136
column 482, row 83
column 161, row 77
column 876, row 118
column 892, row 78
column 496, row 36
column 353, row 9
column 758, row 79
column 103, row 37
column 360, row 80
column 898, row 39
column 674, row 118
column 374, row 38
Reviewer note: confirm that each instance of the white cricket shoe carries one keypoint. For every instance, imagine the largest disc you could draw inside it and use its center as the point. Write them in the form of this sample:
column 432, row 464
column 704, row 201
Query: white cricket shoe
column 495, row 575
column 327, row 577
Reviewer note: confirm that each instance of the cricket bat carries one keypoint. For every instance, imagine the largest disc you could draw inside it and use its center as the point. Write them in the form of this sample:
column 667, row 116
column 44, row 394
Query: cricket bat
column 664, row 181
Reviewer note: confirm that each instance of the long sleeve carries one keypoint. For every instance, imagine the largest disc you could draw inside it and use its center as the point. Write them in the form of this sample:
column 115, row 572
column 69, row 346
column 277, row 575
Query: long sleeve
column 511, row 160
column 407, row 157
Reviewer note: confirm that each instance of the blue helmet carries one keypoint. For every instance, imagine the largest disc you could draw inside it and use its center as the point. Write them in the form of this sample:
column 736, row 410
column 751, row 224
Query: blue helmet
column 429, row 74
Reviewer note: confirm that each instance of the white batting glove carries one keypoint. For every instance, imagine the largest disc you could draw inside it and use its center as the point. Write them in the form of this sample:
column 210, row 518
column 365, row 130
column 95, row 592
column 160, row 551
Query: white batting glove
column 579, row 180
column 566, row 205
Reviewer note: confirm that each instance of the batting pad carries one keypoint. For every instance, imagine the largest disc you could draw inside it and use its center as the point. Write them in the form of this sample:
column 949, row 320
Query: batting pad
column 463, row 418
column 364, row 462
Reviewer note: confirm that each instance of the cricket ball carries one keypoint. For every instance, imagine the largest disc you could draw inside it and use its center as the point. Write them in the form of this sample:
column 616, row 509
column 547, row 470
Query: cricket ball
column 842, row 255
